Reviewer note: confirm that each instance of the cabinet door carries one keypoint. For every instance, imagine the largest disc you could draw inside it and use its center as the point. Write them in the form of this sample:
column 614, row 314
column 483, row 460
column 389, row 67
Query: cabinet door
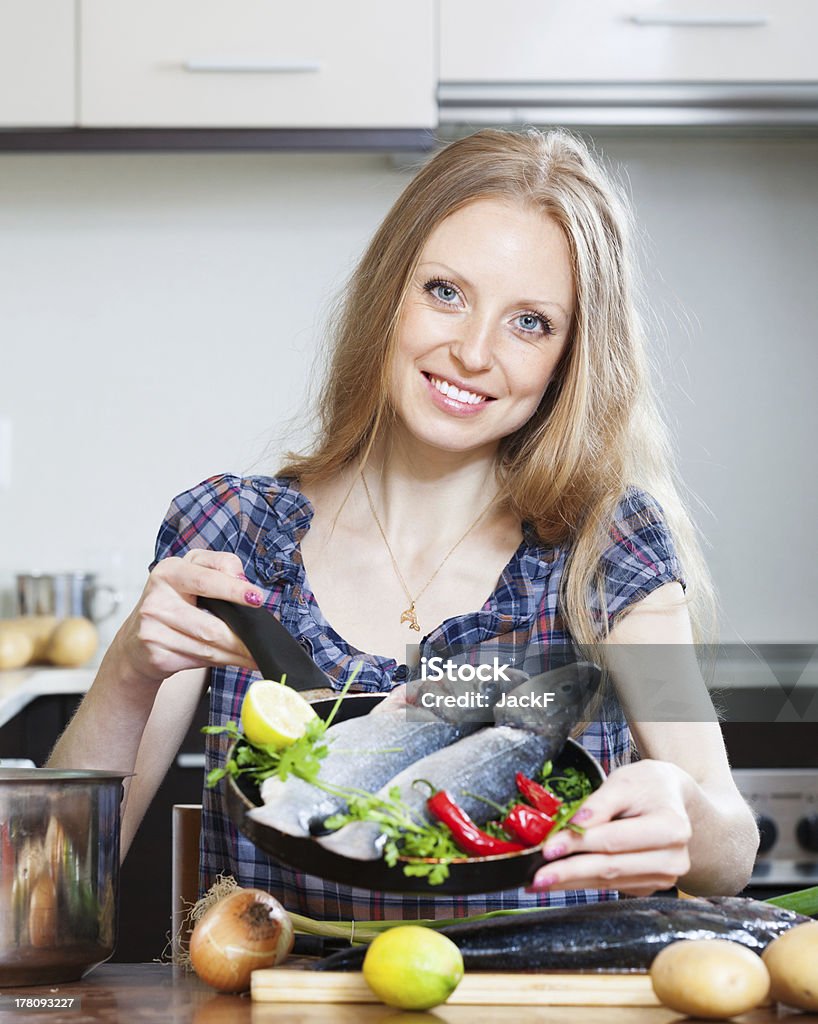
column 622, row 41
column 258, row 63
column 37, row 42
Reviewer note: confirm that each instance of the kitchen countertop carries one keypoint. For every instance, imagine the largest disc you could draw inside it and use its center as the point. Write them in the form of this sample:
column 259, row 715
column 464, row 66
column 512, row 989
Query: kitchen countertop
column 19, row 687
column 124, row 993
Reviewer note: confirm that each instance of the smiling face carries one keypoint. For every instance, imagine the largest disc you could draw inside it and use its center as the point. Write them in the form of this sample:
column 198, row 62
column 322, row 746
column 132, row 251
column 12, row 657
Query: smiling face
column 485, row 322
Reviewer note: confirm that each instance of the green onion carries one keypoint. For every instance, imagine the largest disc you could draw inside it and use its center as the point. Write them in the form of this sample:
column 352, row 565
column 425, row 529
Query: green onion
column 804, row 901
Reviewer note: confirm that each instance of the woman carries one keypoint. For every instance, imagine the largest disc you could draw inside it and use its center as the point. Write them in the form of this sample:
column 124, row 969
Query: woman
column 489, row 464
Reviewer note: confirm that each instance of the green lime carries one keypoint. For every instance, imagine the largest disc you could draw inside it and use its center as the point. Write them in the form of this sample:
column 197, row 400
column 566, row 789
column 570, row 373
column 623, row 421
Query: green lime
column 412, row 967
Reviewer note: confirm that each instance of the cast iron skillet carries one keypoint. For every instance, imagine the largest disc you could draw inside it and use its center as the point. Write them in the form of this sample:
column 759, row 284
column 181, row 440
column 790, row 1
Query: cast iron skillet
column 471, row 875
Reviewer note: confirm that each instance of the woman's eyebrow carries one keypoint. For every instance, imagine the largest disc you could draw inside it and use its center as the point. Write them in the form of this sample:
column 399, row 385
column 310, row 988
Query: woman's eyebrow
column 447, row 270
column 525, row 302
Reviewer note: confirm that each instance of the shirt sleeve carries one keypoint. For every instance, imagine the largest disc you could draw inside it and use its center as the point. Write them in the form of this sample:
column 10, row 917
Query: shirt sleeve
column 641, row 556
column 207, row 516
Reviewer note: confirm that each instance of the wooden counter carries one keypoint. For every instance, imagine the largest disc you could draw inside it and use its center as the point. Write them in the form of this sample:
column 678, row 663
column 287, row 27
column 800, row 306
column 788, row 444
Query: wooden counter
column 148, row 993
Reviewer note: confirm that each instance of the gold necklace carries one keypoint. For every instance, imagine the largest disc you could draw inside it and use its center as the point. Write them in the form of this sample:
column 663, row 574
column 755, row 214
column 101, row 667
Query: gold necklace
column 408, row 615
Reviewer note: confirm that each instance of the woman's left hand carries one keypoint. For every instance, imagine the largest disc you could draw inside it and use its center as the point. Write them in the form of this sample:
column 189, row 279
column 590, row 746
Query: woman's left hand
column 637, row 831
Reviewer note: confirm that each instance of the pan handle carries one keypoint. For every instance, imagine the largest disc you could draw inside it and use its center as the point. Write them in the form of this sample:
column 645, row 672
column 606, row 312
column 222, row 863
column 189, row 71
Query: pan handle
column 273, row 648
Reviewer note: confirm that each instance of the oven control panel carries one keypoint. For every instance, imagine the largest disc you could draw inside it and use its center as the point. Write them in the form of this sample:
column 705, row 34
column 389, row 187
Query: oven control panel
column 785, row 802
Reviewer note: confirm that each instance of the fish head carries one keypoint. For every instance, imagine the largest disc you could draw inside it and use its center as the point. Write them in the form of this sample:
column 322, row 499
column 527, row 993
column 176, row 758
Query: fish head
column 550, row 704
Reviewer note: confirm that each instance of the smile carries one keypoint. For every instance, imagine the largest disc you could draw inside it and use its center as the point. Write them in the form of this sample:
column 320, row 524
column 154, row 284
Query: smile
column 455, row 393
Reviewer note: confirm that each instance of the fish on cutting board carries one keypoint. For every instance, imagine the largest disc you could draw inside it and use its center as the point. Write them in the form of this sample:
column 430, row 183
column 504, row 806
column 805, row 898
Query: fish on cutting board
column 484, row 764
column 616, row 935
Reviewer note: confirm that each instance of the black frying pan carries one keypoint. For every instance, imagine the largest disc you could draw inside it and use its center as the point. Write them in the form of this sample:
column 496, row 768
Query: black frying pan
column 471, row 875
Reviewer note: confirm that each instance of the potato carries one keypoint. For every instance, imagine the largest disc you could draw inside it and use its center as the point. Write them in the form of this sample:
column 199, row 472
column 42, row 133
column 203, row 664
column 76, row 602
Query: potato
column 710, row 978
column 16, row 649
column 72, row 643
column 39, row 628
column 792, row 960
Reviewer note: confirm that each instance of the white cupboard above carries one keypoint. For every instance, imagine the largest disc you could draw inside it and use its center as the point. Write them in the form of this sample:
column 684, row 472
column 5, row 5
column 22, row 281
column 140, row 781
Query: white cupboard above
column 638, row 62
column 258, row 64
column 37, row 63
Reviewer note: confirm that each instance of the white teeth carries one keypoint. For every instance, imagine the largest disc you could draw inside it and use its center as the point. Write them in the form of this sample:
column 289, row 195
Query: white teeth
column 459, row 394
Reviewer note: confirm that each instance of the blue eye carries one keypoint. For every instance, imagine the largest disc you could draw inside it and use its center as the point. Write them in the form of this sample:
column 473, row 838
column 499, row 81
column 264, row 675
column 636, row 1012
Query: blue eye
column 533, row 322
column 442, row 290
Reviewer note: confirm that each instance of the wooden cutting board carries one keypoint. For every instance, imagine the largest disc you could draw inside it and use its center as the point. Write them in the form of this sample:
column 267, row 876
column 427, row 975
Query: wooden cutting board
column 283, row 985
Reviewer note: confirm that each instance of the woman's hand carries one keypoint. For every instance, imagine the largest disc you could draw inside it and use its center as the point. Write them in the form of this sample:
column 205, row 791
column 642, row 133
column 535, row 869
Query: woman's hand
column 637, row 831
column 395, row 700
column 166, row 632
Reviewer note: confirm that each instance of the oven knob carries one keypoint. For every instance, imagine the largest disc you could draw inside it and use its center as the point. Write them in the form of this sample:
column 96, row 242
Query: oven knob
column 807, row 832
column 767, row 831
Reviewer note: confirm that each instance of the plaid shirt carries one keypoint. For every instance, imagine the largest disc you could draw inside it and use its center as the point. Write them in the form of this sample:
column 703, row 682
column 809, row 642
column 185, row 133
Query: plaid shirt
column 263, row 520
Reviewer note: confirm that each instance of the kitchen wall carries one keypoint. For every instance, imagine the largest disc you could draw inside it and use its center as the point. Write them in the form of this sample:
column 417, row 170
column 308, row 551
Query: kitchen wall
column 160, row 314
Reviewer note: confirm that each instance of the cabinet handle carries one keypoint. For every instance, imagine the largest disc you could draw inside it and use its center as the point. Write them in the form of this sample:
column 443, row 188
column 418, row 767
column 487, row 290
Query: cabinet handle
column 190, row 760
column 701, row 20
column 241, row 65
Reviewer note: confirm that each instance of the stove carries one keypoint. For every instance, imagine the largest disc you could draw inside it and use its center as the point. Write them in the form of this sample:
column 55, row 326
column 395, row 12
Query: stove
column 785, row 802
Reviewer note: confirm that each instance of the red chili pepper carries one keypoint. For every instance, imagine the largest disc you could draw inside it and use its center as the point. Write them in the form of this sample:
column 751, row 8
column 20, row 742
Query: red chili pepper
column 465, row 833
column 537, row 795
column 528, row 824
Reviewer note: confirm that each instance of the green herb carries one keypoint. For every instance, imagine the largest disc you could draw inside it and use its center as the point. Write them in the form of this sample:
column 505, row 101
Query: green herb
column 301, row 758
column 407, row 839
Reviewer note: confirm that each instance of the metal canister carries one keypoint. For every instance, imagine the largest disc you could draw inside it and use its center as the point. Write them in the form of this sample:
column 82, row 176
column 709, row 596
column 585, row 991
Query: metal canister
column 65, row 594
column 59, row 873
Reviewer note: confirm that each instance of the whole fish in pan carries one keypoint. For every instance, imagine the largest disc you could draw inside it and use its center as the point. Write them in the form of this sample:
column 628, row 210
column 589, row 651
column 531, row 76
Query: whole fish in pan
column 484, row 764
column 365, row 752
column 614, row 935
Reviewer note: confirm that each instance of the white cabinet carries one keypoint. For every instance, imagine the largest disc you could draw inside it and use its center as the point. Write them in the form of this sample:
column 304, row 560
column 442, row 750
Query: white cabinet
column 37, row 77
column 662, row 41
column 258, row 63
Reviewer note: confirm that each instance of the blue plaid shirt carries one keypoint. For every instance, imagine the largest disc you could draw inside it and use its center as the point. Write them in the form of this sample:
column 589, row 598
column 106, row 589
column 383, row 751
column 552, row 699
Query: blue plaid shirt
column 262, row 520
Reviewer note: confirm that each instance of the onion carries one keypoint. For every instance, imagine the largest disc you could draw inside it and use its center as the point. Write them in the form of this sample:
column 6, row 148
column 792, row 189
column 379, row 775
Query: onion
column 244, row 931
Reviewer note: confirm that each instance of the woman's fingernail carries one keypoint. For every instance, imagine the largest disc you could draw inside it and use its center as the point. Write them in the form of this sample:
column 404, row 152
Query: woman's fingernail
column 552, row 852
column 583, row 814
column 251, row 597
column 545, row 881
column 241, row 576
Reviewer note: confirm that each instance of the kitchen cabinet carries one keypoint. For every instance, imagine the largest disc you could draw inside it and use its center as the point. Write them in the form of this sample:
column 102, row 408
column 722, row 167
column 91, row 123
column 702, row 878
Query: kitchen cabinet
column 257, row 63
column 37, row 63
column 616, row 41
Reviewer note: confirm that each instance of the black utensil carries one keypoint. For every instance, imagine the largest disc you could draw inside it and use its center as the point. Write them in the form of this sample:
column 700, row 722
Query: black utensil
column 473, row 875
column 274, row 650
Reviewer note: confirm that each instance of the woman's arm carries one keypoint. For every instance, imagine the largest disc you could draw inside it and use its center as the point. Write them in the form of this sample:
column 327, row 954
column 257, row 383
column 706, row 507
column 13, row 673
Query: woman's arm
column 143, row 698
column 676, row 815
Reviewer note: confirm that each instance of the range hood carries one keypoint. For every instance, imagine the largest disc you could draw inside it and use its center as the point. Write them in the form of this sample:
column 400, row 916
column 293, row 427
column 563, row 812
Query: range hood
column 751, row 105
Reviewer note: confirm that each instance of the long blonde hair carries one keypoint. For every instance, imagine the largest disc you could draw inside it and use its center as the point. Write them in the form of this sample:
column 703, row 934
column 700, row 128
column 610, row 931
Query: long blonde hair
column 597, row 429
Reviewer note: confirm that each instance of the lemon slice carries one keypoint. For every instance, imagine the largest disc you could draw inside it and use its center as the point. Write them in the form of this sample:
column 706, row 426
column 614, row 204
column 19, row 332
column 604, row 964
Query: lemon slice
column 274, row 715
column 412, row 967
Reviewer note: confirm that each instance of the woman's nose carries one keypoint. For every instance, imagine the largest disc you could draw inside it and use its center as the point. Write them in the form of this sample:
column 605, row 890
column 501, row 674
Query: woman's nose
column 472, row 347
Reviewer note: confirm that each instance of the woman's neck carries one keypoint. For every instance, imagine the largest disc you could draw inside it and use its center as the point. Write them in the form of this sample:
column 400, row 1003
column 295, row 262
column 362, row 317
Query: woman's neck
column 418, row 494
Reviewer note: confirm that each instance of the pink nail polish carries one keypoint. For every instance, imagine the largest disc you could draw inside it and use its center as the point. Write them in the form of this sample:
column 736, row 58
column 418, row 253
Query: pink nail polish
column 251, row 597
column 241, row 576
column 583, row 814
column 553, row 852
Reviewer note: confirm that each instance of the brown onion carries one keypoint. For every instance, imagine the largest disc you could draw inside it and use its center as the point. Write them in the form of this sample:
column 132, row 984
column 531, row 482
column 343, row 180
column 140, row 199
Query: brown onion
column 247, row 930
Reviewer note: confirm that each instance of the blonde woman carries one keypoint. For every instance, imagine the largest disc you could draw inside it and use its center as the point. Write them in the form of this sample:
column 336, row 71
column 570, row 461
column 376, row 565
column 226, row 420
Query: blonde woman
column 489, row 463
